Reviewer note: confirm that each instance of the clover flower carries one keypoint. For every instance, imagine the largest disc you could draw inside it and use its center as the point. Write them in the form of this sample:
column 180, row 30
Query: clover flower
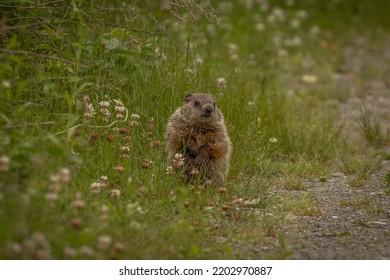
column 95, row 187
column 309, row 78
column 5, row 164
column 65, row 175
column 103, row 242
column 221, row 82
column 273, row 140
column 119, row 168
column 90, row 111
column 115, row 193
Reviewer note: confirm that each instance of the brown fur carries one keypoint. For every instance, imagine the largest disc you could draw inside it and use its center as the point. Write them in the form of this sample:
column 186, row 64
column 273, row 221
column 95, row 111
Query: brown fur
column 197, row 130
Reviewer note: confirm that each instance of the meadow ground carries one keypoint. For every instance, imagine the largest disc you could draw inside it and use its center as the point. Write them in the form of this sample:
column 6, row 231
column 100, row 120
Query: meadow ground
column 86, row 90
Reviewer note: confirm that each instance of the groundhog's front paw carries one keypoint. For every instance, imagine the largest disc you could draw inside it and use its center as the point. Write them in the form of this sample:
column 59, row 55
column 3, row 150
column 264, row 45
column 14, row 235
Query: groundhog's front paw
column 192, row 148
column 199, row 160
column 192, row 152
column 202, row 157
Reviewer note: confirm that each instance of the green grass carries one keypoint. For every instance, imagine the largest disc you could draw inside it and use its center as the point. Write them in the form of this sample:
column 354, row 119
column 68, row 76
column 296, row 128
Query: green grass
column 361, row 168
column 364, row 203
column 57, row 59
column 371, row 129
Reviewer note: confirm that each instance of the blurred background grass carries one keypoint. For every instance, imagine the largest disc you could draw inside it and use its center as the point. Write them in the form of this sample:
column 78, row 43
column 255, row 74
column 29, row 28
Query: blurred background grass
column 270, row 66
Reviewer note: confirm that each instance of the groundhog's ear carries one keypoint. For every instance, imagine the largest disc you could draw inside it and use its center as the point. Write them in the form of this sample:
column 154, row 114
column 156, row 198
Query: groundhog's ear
column 187, row 98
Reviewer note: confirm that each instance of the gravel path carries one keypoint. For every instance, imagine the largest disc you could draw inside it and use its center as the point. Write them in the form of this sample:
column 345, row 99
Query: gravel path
column 355, row 221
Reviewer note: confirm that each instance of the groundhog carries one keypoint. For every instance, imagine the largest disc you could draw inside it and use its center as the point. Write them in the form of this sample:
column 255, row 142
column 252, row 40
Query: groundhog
column 197, row 131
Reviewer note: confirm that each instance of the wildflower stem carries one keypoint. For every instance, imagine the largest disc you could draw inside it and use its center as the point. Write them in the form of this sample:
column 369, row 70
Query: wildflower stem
column 95, row 126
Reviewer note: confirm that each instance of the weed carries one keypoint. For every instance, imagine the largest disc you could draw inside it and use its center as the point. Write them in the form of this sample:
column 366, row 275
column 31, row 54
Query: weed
column 293, row 183
column 361, row 168
column 387, row 178
column 370, row 127
column 303, row 204
column 358, row 203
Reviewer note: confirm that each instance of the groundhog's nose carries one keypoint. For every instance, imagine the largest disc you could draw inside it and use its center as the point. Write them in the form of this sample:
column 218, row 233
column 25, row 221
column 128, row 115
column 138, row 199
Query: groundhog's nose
column 208, row 109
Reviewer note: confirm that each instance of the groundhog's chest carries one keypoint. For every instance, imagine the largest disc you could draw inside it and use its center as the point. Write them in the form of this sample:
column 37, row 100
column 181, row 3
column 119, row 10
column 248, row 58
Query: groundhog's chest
column 202, row 137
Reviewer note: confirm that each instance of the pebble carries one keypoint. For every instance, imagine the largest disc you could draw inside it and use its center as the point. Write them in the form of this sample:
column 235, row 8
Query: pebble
column 377, row 223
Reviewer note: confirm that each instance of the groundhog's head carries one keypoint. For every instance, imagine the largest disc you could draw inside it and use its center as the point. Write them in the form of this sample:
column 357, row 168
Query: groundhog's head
column 200, row 108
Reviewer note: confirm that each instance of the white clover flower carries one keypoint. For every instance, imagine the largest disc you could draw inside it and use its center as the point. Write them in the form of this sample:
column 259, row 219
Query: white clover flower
column 199, row 61
column 179, row 157
column 105, row 111
column 54, row 187
column 211, row 30
column 233, row 48
column 6, row 84
column 282, row 53
column 293, row 42
column 170, row 170
column 189, row 71
column 38, row 237
column 119, row 168
column 90, row 111
column 134, row 123
column 259, row 26
column 125, row 149
column 52, row 196
column 221, row 82
column 177, row 162
column 95, row 187
column 104, row 208
column 118, row 102
column 302, row 14
column 104, row 104
column 278, row 15
column 309, row 78
column 78, row 203
column 55, row 178
column 264, row 6
column 290, row 2
column 115, row 193
column 5, row 163
column 65, row 175
column 87, row 251
column 120, row 109
column 295, row 23
column 314, row 31
column 103, row 181
column 273, row 140
column 135, row 116
column 70, row 252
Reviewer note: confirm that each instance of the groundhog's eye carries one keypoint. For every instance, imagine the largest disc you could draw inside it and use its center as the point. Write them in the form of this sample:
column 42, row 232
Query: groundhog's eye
column 197, row 103
column 214, row 104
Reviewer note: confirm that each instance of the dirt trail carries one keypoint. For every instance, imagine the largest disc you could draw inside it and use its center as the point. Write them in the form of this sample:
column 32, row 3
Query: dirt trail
column 355, row 221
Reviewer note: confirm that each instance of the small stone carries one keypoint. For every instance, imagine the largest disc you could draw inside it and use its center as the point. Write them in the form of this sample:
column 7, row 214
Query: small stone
column 377, row 223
